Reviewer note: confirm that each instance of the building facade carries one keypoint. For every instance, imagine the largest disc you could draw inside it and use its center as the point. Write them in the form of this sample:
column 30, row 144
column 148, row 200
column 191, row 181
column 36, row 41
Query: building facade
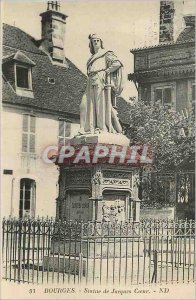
column 42, row 91
column 165, row 74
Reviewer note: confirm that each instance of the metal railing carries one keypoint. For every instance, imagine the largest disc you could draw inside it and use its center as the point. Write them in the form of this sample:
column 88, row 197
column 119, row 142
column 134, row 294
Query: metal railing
column 51, row 251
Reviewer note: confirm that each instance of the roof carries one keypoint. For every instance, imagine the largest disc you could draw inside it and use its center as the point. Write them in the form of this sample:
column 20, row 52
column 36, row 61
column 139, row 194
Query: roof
column 180, row 69
column 18, row 39
column 186, row 35
column 63, row 96
column 177, row 43
column 20, row 57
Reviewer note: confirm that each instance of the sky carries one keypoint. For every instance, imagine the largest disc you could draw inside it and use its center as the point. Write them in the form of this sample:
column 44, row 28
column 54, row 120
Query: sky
column 122, row 24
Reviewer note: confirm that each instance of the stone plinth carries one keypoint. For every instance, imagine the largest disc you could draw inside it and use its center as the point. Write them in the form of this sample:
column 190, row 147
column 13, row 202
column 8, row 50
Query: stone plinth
column 92, row 267
column 94, row 257
column 101, row 191
column 97, row 192
column 102, row 138
column 104, row 192
column 99, row 248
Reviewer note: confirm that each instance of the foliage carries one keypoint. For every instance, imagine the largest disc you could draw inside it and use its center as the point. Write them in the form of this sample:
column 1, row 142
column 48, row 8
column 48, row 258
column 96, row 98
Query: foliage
column 171, row 136
column 160, row 128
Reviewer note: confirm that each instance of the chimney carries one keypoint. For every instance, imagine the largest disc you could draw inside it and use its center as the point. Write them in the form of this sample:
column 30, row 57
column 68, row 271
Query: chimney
column 53, row 32
column 189, row 20
column 171, row 20
column 166, row 29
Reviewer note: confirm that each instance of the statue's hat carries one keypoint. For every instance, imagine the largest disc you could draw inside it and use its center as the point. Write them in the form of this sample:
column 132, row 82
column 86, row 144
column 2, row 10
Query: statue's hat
column 94, row 36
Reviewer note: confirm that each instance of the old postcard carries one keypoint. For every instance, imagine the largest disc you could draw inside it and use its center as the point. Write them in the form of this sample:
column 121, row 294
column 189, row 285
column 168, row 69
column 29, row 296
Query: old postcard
column 98, row 149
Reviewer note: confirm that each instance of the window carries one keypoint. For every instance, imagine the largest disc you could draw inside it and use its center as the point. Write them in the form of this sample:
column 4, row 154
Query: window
column 23, row 77
column 27, row 198
column 64, row 131
column 28, row 134
column 51, row 80
column 193, row 95
column 163, row 95
column 185, row 187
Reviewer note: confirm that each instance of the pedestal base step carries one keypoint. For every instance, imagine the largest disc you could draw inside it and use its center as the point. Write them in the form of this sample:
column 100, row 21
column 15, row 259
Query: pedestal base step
column 92, row 268
column 102, row 138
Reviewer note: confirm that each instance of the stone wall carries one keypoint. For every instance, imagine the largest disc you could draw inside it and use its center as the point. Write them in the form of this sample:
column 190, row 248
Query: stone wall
column 168, row 55
column 158, row 213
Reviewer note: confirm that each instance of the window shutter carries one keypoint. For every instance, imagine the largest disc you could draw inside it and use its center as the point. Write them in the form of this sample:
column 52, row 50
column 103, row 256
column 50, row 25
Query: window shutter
column 67, row 129
column 167, row 96
column 193, row 92
column 158, row 95
column 24, row 142
column 32, row 124
column 32, row 143
column 61, row 128
column 25, row 123
column 61, row 141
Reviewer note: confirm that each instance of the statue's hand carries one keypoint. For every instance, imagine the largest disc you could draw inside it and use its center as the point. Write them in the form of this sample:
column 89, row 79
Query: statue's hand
column 92, row 73
column 107, row 72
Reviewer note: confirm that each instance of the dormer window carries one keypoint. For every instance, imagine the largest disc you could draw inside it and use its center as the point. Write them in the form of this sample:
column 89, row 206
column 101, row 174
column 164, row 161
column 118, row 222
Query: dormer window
column 17, row 68
column 23, row 77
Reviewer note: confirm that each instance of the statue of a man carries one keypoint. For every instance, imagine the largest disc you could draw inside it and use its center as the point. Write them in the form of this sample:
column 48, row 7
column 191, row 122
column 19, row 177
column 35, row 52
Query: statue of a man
column 104, row 70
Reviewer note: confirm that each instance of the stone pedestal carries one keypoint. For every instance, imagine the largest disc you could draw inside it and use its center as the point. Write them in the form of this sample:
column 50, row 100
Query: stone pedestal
column 102, row 192
column 102, row 138
column 97, row 192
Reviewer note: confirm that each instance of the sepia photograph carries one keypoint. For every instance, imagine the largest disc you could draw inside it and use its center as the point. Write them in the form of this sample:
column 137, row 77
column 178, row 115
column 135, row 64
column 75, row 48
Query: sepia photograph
column 98, row 149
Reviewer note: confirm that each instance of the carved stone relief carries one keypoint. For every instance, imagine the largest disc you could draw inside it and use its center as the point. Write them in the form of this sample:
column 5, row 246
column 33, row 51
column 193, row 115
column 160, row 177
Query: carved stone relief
column 114, row 174
column 116, row 182
column 118, row 175
column 113, row 211
column 97, row 176
column 96, row 181
column 78, row 177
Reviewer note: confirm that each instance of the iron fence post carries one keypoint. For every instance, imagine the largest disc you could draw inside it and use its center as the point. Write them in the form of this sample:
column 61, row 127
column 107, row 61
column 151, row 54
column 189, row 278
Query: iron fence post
column 99, row 249
column 19, row 248
column 80, row 264
column 155, row 261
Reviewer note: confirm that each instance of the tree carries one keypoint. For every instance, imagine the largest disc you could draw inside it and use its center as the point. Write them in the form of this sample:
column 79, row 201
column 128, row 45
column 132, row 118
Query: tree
column 170, row 134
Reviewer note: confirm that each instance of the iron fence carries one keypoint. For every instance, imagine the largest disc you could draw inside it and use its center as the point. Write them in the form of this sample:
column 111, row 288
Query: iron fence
column 51, row 251
column 163, row 188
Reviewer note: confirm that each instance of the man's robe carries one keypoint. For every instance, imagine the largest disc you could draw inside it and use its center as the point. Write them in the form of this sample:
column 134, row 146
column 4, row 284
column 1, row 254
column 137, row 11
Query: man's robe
column 94, row 107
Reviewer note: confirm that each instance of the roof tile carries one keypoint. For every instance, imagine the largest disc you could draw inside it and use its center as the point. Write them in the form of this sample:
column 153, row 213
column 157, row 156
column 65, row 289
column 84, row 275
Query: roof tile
column 186, row 35
column 64, row 96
